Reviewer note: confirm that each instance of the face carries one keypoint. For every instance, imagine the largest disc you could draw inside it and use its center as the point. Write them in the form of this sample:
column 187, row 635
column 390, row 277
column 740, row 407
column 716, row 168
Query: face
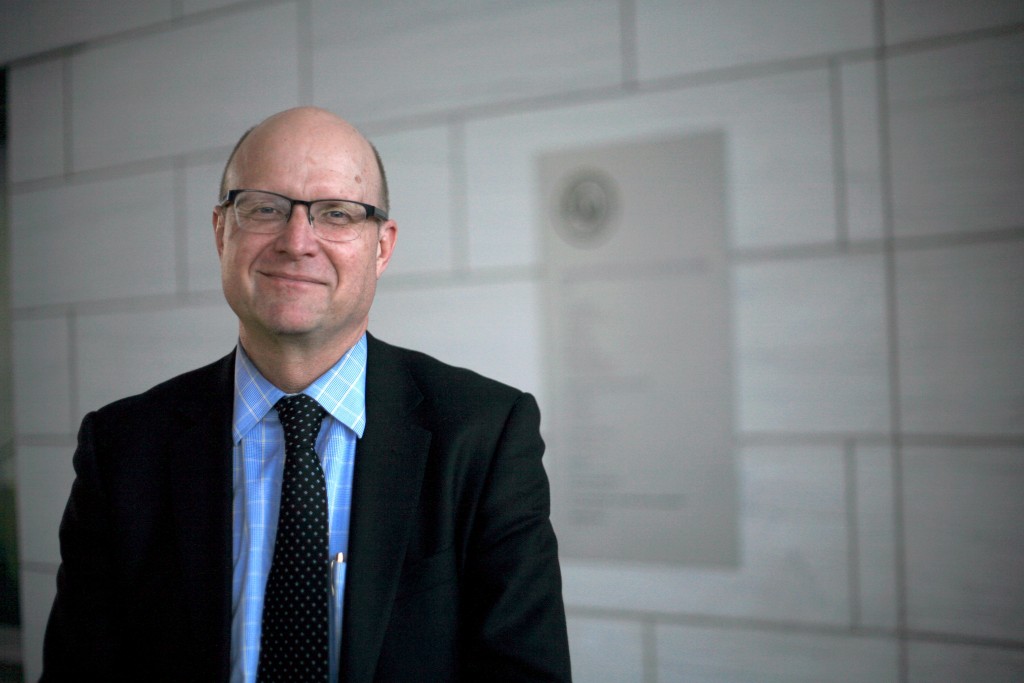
column 293, row 287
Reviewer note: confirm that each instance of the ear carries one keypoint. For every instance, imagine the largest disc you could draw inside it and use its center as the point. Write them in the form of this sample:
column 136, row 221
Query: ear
column 387, row 235
column 218, row 229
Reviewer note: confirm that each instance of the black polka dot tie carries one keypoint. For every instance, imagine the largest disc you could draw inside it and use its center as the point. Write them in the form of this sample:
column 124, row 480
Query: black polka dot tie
column 293, row 645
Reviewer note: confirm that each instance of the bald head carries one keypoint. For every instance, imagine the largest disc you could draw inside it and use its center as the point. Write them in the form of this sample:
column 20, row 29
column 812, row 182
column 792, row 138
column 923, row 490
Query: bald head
column 308, row 130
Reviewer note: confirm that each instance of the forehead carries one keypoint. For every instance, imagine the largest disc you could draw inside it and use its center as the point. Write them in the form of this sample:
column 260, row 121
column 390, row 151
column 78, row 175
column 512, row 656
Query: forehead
column 306, row 156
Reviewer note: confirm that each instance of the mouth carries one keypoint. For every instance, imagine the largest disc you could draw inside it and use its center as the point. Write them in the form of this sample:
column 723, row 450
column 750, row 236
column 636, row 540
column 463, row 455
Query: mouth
column 290, row 278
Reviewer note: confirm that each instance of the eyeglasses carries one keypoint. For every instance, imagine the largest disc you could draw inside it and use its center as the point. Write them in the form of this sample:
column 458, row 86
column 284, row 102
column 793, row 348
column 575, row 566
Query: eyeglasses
column 335, row 220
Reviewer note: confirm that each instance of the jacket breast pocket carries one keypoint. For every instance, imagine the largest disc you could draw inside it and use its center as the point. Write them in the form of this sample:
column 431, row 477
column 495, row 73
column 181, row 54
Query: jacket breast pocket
column 423, row 574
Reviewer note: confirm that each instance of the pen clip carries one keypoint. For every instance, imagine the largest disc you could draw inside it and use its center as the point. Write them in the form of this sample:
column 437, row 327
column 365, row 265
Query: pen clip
column 335, row 563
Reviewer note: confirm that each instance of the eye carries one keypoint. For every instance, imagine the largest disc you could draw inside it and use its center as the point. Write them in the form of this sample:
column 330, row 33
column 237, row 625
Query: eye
column 261, row 209
column 336, row 214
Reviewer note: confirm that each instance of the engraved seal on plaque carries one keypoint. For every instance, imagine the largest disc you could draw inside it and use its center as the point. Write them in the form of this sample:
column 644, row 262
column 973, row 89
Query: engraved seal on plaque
column 587, row 208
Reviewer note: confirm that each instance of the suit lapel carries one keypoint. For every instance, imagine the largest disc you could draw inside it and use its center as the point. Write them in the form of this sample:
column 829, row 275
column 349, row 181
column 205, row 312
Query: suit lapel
column 201, row 490
column 390, row 460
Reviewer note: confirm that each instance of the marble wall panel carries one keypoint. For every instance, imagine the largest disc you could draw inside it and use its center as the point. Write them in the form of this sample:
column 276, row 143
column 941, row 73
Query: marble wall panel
column 956, row 140
column 916, row 19
column 374, row 61
column 713, row 655
column 811, row 345
column 418, row 168
column 606, row 651
column 965, row 542
column 680, row 37
column 861, row 145
column 195, row 6
column 959, row 663
column 876, row 540
column 33, row 26
column 960, row 318
column 492, row 328
column 120, row 354
column 104, row 239
column 42, row 376
column 778, row 157
column 794, row 560
column 152, row 96
column 35, row 93
column 44, row 478
column 202, row 264
column 38, row 587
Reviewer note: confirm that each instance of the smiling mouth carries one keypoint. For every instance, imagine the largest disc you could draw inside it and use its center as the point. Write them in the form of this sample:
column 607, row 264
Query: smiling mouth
column 290, row 278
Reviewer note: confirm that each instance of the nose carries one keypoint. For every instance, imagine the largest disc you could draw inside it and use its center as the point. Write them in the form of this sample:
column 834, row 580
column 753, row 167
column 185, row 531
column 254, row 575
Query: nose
column 297, row 236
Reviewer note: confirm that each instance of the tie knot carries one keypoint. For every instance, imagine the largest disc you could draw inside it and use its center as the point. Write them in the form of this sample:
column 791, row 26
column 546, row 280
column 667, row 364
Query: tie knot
column 300, row 417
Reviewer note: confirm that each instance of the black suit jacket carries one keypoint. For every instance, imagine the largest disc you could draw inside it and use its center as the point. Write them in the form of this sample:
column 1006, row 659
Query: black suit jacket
column 453, row 570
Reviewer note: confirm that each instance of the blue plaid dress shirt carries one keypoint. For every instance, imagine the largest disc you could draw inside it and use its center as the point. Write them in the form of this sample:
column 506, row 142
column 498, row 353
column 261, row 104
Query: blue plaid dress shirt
column 258, row 464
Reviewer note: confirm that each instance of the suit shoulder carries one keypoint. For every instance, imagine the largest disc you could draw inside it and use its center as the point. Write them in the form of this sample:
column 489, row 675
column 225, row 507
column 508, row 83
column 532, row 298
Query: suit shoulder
column 443, row 383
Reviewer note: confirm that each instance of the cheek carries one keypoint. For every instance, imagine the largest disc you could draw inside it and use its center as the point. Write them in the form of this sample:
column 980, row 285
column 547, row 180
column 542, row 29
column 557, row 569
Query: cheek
column 352, row 268
column 228, row 260
column 239, row 255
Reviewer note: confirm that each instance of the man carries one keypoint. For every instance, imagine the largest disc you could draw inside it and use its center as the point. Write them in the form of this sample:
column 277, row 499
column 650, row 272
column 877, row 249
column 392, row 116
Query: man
column 441, row 566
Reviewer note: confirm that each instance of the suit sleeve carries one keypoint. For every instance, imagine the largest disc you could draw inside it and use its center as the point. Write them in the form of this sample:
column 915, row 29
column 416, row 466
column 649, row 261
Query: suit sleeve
column 516, row 605
column 80, row 642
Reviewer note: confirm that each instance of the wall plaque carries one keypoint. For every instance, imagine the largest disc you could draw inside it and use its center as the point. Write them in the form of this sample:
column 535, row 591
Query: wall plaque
column 638, row 310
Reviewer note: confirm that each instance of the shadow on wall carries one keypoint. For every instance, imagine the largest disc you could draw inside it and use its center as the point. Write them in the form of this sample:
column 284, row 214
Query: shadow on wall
column 8, row 555
column 9, row 612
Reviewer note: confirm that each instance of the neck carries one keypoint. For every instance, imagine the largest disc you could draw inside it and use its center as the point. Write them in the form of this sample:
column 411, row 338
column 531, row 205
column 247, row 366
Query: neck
column 292, row 364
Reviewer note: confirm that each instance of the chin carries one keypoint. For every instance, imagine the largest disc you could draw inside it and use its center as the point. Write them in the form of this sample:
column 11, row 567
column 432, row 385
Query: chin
column 292, row 330
column 279, row 326
column 289, row 319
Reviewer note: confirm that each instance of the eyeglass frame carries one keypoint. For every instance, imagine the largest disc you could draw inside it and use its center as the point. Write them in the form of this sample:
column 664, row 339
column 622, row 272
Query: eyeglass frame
column 371, row 210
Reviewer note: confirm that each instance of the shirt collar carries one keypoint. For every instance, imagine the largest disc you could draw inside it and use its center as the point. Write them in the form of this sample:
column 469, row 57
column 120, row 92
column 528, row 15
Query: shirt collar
column 340, row 390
